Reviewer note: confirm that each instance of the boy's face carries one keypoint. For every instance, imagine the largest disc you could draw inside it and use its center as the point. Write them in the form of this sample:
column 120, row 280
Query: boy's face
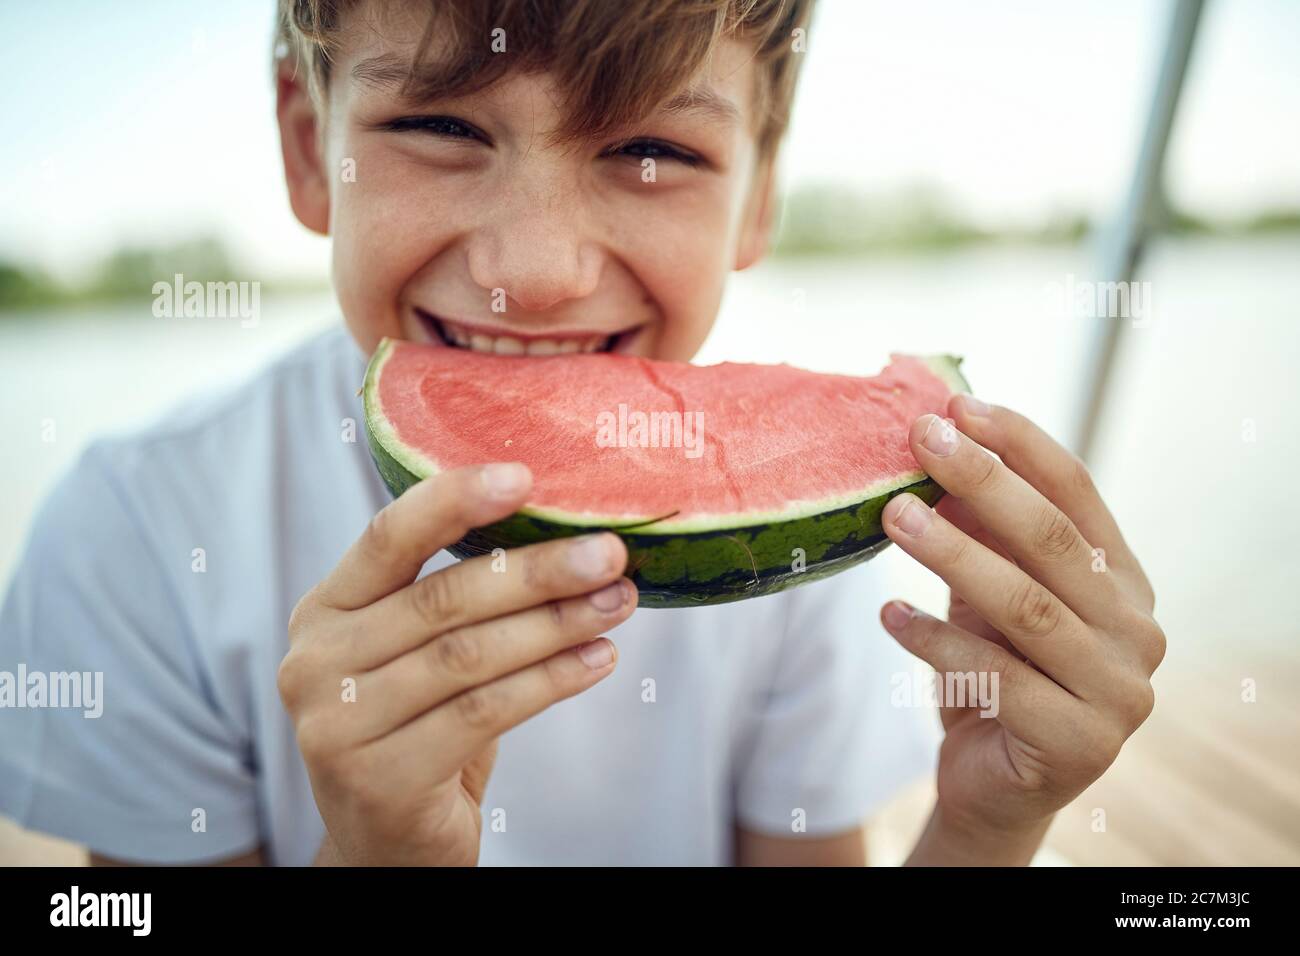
column 461, row 221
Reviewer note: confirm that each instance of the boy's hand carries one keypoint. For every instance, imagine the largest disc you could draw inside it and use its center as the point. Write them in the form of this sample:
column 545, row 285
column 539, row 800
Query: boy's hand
column 1046, row 594
column 399, row 688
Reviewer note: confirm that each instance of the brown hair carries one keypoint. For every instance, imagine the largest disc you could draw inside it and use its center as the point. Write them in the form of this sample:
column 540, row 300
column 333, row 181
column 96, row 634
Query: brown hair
column 615, row 60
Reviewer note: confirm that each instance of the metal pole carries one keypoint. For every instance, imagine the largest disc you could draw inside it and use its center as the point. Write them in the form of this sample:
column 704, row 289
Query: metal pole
column 1123, row 243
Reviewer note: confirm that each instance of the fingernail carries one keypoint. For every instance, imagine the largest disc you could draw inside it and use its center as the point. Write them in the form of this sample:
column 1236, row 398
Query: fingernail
column 505, row 480
column 589, row 557
column 940, row 436
column 609, row 598
column 913, row 515
column 974, row 406
column 897, row 615
column 597, row 653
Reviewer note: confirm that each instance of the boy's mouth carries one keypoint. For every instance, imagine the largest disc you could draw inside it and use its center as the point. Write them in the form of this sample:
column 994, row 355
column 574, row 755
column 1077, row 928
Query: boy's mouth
column 476, row 338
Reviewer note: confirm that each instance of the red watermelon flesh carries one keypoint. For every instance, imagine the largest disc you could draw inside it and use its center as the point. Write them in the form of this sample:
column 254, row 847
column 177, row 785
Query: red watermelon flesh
column 755, row 443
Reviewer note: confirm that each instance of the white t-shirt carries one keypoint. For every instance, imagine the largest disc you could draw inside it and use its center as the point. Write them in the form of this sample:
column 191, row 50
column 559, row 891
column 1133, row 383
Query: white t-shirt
column 768, row 712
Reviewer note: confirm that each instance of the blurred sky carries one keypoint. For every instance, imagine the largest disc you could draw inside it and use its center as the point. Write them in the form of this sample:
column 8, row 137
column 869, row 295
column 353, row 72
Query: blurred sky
column 151, row 120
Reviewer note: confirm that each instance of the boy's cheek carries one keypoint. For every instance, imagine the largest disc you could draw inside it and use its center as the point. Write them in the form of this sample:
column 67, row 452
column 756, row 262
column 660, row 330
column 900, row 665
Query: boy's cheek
column 372, row 261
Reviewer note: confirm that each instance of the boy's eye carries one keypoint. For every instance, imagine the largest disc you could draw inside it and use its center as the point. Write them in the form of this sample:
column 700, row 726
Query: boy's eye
column 653, row 149
column 447, row 126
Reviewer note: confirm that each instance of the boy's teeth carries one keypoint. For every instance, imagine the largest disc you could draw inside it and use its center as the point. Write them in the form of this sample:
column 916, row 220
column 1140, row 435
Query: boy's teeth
column 509, row 345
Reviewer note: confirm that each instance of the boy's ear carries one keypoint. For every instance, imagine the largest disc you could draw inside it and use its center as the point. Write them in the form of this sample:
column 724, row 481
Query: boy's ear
column 304, row 169
column 756, row 229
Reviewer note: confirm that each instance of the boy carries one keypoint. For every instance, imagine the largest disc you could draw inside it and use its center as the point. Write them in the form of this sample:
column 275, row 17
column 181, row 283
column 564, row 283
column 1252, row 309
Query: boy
column 272, row 702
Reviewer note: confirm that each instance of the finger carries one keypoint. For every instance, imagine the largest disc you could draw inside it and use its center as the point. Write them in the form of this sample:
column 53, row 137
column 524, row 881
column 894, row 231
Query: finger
column 475, row 590
column 1036, row 533
column 454, row 732
column 959, row 612
column 431, row 515
column 1031, row 617
column 963, row 615
column 477, row 654
column 955, row 510
column 1057, row 473
column 970, row 672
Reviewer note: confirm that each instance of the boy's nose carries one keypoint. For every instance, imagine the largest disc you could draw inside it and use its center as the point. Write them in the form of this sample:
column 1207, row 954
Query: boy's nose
column 538, row 257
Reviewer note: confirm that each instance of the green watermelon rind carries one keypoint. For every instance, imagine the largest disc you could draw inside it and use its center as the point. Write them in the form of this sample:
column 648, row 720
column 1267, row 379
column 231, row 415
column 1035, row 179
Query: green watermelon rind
column 683, row 566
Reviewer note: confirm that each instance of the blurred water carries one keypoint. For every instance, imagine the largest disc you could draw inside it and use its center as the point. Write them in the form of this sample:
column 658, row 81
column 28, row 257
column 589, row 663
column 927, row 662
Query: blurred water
column 1208, row 511
column 1202, row 440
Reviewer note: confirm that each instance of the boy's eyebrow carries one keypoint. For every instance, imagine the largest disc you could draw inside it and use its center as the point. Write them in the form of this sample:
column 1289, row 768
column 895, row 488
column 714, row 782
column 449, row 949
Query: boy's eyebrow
column 704, row 100
column 383, row 70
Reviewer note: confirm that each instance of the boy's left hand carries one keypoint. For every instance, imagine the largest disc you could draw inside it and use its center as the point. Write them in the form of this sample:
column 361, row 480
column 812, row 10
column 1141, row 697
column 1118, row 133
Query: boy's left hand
column 1046, row 594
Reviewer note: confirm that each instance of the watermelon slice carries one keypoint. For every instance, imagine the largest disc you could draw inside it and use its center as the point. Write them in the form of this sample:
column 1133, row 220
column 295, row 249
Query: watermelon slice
column 726, row 482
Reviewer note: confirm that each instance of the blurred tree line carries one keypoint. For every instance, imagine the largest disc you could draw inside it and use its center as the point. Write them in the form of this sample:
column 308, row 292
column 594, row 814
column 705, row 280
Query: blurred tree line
column 127, row 273
column 822, row 220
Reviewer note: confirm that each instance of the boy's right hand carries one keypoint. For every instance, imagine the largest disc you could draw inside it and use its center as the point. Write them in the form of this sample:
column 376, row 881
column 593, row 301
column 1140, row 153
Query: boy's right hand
column 441, row 666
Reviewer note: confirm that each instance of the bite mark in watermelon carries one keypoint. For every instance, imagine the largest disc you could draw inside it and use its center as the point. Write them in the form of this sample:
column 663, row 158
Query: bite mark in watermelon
column 792, row 471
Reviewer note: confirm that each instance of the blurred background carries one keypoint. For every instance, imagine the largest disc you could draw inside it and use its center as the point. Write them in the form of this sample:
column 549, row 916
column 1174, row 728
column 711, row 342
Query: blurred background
column 951, row 168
